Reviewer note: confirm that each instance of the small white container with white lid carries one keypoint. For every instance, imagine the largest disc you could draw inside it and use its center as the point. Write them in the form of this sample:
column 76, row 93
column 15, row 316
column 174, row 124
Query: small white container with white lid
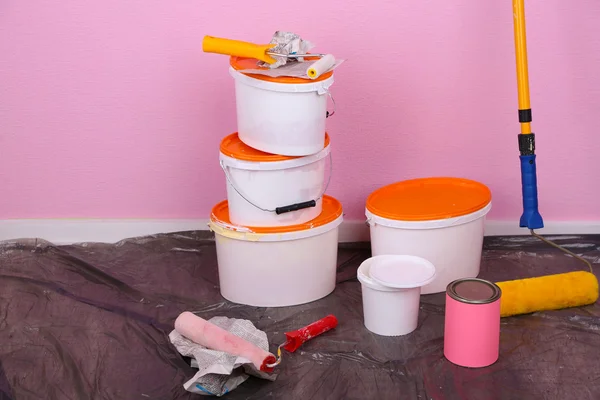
column 391, row 291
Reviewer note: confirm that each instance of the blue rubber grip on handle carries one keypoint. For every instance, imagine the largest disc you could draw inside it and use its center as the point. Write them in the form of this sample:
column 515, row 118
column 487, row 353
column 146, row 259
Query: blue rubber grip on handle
column 531, row 217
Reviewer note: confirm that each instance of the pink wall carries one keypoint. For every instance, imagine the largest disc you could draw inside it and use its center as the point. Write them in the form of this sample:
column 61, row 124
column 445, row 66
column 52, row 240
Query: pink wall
column 110, row 108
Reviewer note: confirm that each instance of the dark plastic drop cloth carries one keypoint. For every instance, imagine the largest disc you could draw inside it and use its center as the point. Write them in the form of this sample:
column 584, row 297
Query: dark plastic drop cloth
column 91, row 321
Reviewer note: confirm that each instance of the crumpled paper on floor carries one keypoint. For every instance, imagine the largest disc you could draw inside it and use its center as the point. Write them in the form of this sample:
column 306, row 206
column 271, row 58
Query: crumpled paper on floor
column 286, row 43
column 220, row 372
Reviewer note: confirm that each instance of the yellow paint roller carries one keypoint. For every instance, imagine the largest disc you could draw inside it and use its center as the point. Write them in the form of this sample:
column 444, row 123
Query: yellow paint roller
column 230, row 47
column 552, row 292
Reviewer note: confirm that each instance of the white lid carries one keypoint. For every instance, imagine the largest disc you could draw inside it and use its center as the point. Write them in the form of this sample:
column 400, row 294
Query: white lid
column 402, row 271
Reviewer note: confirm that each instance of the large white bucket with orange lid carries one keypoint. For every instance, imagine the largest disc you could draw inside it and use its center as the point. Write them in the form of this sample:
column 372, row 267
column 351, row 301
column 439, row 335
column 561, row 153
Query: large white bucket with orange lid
column 271, row 190
column 282, row 115
column 438, row 219
column 279, row 266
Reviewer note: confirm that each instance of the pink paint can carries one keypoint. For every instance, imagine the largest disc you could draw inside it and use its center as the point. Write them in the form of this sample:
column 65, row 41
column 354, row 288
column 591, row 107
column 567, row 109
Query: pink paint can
column 472, row 324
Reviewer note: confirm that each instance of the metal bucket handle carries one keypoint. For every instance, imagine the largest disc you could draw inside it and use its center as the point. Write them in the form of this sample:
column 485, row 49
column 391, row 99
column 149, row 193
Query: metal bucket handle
column 329, row 114
column 282, row 209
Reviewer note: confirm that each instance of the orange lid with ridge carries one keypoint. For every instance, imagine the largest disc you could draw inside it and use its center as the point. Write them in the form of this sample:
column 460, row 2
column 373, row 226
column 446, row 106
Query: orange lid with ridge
column 427, row 199
column 233, row 147
column 241, row 63
column 332, row 209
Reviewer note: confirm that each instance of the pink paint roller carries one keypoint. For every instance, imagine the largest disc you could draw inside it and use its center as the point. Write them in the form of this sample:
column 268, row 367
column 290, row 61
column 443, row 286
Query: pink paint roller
column 212, row 337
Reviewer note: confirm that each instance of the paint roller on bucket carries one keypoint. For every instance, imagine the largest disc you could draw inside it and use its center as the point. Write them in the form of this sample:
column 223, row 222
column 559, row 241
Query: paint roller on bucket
column 552, row 292
column 321, row 66
column 213, row 337
column 238, row 48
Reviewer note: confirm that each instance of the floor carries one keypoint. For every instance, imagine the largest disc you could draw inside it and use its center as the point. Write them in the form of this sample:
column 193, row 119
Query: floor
column 91, row 321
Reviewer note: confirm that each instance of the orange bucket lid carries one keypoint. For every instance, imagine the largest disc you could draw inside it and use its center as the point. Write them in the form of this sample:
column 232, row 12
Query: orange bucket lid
column 233, row 147
column 241, row 63
column 332, row 209
column 427, row 199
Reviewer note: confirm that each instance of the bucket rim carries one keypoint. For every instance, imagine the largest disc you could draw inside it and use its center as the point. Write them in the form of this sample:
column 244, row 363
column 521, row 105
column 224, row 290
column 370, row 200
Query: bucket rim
column 241, row 63
column 374, row 219
column 429, row 198
column 321, row 87
column 364, row 276
column 234, row 149
column 380, row 272
column 331, row 217
column 230, row 162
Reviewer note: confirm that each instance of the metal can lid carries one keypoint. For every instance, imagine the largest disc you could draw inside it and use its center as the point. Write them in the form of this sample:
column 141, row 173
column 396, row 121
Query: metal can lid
column 474, row 291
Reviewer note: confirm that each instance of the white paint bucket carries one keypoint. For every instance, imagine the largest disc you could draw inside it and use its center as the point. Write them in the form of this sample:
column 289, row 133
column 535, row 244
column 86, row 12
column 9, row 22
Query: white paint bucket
column 391, row 290
column 281, row 115
column 266, row 190
column 278, row 266
column 439, row 219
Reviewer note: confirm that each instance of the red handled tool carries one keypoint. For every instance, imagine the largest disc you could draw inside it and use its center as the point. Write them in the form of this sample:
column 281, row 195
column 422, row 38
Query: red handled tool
column 296, row 338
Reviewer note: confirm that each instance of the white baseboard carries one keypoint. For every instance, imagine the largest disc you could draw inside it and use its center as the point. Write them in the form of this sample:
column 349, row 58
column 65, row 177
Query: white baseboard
column 511, row 228
column 358, row 231
column 67, row 231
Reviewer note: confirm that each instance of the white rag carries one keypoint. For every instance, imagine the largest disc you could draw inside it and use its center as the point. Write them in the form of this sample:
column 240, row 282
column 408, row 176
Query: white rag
column 220, row 372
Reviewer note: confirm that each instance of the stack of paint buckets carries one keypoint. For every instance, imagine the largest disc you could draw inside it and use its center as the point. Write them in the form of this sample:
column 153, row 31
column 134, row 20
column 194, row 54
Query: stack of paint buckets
column 277, row 232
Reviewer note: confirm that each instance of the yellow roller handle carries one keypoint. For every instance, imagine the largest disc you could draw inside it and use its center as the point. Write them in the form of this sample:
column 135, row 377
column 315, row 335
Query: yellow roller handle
column 211, row 44
column 521, row 55
column 551, row 292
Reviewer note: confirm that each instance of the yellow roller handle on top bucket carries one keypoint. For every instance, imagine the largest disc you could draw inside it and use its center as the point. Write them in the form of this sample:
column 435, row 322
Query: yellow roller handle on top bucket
column 211, row 44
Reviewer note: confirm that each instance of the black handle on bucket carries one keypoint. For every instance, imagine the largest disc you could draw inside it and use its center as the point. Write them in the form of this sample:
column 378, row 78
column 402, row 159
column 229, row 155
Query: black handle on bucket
column 295, row 207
